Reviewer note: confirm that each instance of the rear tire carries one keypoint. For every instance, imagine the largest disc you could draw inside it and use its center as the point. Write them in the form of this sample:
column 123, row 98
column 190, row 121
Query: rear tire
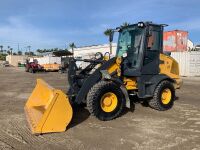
column 31, row 70
column 26, row 69
column 160, row 103
column 95, row 105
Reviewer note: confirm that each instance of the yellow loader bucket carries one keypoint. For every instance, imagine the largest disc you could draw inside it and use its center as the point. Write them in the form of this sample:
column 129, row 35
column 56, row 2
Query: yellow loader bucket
column 47, row 109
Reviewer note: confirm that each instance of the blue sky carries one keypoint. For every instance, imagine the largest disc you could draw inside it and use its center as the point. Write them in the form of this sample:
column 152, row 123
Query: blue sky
column 55, row 23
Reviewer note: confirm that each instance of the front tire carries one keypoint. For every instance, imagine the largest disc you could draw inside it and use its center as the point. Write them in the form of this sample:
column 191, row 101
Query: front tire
column 31, row 70
column 164, row 96
column 26, row 69
column 105, row 100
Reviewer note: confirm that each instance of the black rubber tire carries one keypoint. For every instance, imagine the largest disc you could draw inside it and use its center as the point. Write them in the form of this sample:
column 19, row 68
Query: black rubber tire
column 94, row 98
column 60, row 71
column 31, row 70
column 156, row 102
column 26, row 69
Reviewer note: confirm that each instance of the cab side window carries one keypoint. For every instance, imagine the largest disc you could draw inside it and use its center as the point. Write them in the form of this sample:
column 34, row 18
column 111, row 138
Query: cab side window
column 153, row 47
column 154, row 41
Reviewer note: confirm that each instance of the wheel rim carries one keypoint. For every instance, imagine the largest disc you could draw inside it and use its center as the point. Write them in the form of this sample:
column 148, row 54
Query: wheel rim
column 166, row 96
column 108, row 102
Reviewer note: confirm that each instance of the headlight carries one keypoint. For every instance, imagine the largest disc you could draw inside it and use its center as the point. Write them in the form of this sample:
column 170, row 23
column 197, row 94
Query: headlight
column 124, row 55
column 141, row 24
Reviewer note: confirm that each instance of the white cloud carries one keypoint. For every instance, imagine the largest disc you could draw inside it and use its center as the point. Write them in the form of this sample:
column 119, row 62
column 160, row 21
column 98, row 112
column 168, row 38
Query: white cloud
column 192, row 24
column 99, row 29
column 18, row 30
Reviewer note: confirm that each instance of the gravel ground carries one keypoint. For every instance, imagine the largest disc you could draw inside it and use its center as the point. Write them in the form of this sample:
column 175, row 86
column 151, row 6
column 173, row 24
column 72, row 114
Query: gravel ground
column 143, row 128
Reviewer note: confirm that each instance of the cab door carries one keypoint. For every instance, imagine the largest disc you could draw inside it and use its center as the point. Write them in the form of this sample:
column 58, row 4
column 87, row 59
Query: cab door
column 151, row 60
column 152, row 52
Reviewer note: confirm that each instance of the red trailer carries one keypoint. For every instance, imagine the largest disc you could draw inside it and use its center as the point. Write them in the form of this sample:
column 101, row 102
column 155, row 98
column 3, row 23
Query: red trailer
column 175, row 41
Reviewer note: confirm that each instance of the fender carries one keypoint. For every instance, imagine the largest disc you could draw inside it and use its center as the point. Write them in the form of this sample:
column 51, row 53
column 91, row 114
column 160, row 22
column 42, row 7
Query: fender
column 91, row 80
column 124, row 91
column 120, row 84
column 155, row 80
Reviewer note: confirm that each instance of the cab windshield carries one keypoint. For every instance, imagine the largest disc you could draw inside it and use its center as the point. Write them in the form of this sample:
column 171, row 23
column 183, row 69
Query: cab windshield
column 129, row 43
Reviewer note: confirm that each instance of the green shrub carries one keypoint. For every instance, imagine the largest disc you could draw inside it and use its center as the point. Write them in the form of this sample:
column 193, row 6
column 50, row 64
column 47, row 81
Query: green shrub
column 3, row 56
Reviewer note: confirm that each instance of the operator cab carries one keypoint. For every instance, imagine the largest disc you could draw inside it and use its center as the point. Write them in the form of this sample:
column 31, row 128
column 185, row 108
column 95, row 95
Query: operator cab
column 141, row 45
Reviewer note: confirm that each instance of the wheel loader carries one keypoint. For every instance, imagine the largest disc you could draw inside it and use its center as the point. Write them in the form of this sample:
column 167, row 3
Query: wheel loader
column 139, row 68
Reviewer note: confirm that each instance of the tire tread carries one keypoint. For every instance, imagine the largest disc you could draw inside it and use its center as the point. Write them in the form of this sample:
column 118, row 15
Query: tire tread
column 93, row 95
column 154, row 102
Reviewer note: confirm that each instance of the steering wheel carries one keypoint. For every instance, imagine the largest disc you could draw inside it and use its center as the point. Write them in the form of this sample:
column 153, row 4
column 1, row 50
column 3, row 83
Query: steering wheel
column 98, row 55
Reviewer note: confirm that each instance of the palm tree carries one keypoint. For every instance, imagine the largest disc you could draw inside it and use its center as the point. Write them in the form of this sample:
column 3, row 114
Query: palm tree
column 72, row 46
column 1, row 47
column 109, row 33
column 11, row 51
column 125, row 24
column 29, row 49
column 44, row 50
column 8, row 52
column 31, row 53
column 55, row 49
column 38, row 50
column 19, row 52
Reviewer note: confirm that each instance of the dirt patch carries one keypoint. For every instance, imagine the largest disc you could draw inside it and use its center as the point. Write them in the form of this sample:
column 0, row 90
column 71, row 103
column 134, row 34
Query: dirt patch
column 178, row 128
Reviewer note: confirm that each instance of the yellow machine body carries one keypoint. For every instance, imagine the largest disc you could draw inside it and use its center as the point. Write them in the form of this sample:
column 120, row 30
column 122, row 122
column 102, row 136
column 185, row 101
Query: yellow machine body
column 47, row 109
column 169, row 67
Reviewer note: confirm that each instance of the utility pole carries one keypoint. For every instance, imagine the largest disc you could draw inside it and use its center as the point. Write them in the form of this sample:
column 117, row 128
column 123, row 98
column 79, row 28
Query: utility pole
column 18, row 47
column 29, row 49
column 25, row 50
column 11, row 50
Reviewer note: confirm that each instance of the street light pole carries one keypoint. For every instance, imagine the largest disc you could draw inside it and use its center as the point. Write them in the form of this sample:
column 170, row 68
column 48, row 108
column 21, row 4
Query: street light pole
column 29, row 49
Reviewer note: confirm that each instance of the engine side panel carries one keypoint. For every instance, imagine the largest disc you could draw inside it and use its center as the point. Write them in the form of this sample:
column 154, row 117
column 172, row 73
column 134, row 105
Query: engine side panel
column 170, row 67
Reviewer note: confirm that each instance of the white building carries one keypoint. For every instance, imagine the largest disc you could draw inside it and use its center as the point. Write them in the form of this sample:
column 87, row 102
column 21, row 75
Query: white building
column 190, row 45
column 89, row 51
column 189, row 62
column 15, row 59
column 48, row 59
